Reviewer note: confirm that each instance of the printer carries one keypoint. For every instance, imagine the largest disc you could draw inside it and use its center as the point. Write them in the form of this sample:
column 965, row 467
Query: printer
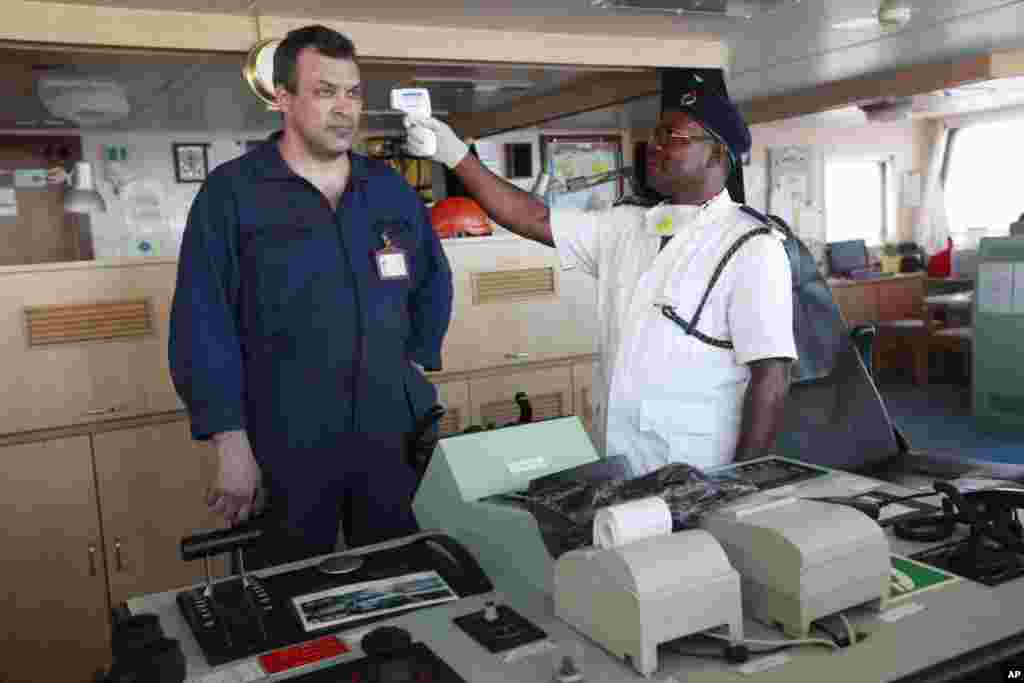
column 631, row 598
column 461, row 488
column 800, row 560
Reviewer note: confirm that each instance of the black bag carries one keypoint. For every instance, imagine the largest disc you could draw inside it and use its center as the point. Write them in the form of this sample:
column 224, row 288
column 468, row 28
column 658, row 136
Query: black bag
column 565, row 507
column 818, row 328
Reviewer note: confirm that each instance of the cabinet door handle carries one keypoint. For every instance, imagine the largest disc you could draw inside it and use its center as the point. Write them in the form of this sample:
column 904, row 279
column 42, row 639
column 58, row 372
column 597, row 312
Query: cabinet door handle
column 92, row 559
column 101, row 411
column 517, row 356
column 118, row 565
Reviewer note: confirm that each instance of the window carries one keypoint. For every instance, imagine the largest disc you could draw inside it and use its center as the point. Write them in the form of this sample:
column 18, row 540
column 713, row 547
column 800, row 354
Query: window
column 855, row 200
column 982, row 187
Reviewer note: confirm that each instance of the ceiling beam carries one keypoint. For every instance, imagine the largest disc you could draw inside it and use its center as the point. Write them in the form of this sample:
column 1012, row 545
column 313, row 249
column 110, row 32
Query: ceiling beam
column 905, row 82
column 586, row 93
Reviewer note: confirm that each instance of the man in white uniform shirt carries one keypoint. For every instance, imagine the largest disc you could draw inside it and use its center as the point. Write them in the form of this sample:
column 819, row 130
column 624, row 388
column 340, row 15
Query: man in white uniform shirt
column 668, row 388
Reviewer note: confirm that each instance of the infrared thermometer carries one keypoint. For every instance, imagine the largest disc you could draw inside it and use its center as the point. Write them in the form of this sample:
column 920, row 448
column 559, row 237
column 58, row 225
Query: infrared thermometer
column 416, row 102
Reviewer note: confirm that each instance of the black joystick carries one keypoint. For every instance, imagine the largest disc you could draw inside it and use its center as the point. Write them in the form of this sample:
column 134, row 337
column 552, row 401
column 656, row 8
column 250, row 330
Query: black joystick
column 390, row 654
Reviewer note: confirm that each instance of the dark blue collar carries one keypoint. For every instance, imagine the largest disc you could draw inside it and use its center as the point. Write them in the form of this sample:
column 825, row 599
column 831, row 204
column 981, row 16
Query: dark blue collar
column 271, row 165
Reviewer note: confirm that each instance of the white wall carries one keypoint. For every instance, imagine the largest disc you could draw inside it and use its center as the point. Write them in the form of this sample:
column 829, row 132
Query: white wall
column 147, row 217
column 896, row 142
column 152, row 209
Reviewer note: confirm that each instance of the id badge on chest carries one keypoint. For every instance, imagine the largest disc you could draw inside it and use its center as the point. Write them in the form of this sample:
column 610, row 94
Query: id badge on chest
column 391, row 261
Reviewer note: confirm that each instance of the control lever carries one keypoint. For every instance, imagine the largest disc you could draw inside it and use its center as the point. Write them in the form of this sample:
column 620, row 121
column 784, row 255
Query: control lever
column 207, row 608
column 218, row 542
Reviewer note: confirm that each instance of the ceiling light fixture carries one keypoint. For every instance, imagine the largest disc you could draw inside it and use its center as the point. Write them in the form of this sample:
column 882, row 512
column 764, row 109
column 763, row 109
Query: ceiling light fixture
column 894, row 14
column 890, row 15
column 733, row 9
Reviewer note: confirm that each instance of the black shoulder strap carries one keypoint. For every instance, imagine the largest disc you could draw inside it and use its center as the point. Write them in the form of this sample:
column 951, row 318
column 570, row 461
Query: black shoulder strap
column 757, row 215
column 691, row 327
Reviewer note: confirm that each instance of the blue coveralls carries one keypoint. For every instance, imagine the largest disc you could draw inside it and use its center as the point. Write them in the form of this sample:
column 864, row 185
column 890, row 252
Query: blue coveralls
column 282, row 325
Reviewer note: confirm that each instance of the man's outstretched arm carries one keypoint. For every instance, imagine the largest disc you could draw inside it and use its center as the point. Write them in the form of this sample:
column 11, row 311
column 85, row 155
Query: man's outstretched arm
column 506, row 204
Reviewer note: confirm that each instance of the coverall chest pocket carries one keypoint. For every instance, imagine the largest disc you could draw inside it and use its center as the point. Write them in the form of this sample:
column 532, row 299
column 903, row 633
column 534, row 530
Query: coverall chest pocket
column 291, row 267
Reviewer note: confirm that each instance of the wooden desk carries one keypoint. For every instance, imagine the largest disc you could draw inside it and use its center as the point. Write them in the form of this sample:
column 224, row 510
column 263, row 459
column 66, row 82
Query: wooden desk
column 893, row 297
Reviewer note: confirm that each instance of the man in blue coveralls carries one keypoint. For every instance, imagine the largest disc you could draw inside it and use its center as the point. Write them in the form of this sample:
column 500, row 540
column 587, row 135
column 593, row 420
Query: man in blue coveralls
column 311, row 292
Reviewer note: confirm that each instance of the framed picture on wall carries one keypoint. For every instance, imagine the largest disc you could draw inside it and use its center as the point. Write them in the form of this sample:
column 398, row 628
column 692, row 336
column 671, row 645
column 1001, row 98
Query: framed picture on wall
column 584, row 159
column 190, row 161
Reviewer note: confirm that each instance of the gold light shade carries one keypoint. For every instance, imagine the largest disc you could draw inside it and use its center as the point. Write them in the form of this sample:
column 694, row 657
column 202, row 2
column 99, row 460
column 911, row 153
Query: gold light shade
column 258, row 71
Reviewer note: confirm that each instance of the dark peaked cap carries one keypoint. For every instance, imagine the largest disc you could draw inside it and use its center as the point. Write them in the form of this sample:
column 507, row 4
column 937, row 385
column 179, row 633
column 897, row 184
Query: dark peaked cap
column 688, row 91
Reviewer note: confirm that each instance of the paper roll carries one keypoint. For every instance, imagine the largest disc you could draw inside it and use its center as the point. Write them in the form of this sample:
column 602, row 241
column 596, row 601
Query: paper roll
column 620, row 524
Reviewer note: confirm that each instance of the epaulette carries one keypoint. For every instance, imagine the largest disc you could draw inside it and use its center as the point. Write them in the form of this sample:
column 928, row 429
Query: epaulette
column 782, row 230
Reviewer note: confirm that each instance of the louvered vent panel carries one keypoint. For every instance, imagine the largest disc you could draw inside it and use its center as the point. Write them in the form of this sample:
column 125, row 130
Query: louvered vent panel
column 513, row 285
column 449, row 424
column 501, row 413
column 88, row 322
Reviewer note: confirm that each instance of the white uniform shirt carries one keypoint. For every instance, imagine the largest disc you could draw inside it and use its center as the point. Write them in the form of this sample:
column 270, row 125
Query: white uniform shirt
column 661, row 395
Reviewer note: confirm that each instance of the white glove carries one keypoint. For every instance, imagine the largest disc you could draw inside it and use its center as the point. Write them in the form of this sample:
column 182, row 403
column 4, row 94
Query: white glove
column 449, row 149
column 237, row 493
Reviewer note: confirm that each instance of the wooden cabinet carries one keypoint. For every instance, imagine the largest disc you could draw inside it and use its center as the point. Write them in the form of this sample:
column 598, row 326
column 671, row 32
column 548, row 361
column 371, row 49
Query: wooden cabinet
column 43, row 386
column 84, row 343
column 55, row 624
column 861, row 302
column 131, row 376
column 454, row 396
column 859, row 305
column 902, row 299
column 95, row 507
column 583, row 393
column 144, row 487
column 492, row 398
column 515, row 305
column 152, row 484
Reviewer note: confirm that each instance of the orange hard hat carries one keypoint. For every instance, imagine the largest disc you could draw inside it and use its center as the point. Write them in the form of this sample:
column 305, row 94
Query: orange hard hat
column 458, row 216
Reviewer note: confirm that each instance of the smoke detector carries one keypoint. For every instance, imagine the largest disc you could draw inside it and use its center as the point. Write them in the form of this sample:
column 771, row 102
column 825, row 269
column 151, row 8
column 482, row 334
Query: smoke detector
column 85, row 102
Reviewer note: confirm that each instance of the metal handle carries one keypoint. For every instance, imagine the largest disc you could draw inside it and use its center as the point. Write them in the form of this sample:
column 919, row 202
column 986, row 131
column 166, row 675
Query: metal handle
column 118, row 564
column 101, row 411
column 92, row 559
column 517, row 356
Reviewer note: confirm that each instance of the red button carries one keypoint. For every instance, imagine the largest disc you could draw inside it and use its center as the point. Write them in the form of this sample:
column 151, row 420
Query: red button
column 302, row 654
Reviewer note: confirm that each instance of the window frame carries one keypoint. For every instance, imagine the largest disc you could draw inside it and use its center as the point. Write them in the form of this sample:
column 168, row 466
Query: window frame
column 886, row 164
column 956, row 127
